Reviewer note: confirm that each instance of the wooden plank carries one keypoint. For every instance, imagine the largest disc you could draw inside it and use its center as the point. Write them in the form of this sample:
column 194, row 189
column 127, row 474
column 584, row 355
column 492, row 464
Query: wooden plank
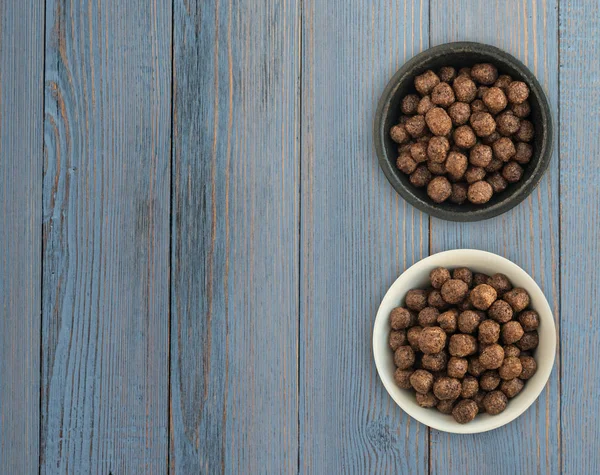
column 234, row 333
column 528, row 235
column 580, row 228
column 357, row 236
column 21, row 148
column 106, row 237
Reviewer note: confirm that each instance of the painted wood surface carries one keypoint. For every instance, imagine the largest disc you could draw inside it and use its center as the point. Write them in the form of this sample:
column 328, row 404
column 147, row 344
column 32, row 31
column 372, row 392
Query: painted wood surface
column 106, row 237
column 21, row 116
column 357, row 235
column 580, row 231
column 234, row 274
column 527, row 235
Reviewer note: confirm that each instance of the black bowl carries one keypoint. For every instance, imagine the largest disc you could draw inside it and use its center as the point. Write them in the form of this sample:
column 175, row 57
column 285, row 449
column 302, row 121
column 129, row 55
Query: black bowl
column 459, row 55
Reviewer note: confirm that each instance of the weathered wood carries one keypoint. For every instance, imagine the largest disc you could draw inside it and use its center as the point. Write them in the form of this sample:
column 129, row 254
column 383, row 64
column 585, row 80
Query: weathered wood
column 528, row 235
column 234, row 333
column 580, row 231
column 106, row 237
column 21, row 156
column 357, row 236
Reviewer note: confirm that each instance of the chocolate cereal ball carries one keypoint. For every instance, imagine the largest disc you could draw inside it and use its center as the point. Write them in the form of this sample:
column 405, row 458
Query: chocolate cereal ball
column 438, row 276
column 464, row 274
column 447, row 321
column 435, row 361
column 511, row 332
column 404, row 357
column 530, row 320
column 432, row 340
column 418, row 152
column 438, row 121
column 517, row 92
column 497, row 182
column 500, row 282
column 468, row 321
column 399, row 134
column 503, row 81
column 512, row 172
column 447, row 388
column 459, row 193
column 528, row 341
column 420, row 177
column 500, row 311
column 491, row 357
column 436, row 168
column 409, row 104
column 484, row 73
column 416, row 126
column 479, row 400
column 397, row 339
column 465, row 304
column 457, row 367
column 437, row 150
column 454, row 290
column 521, row 110
column 428, row 317
column 490, row 139
column 445, row 407
column 524, row 152
column 456, row 165
column 401, row 318
column 478, row 106
column 402, row 378
column 479, row 278
column 462, row 345
column 483, row 123
column 529, row 366
column 511, row 387
column 489, row 380
column 447, row 73
column 474, row 174
column 495, row 165
column 464, row 137
column 416, row 299
column 425, row 83
column 421, row 381
column 504, row 149
column 426, row 400
column 511, row 350
column 435, row 300
column 481, row 90
column 405, row 163
column 465, row 411
column 517, row 298
column 483, row 296
column 464, row 72
column 459, row 113
column 495, row 402
column 525, row 132
column 480, row 155
column 480, row 192
column 489, row 332
column 464, row 88
column 507, row 123
column 439, row 189
column 470, row 387
column 511, row 368
column 413, row 335
column 442, row 95
column 425, row 105
column 494, row 99
column 475, row 368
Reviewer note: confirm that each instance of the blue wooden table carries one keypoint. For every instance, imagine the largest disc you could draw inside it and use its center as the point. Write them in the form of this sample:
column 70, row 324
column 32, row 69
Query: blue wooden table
column 195, row 236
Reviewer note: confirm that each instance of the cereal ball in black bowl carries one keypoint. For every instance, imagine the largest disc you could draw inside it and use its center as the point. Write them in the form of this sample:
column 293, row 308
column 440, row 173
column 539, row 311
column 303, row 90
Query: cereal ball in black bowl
column 471, row 95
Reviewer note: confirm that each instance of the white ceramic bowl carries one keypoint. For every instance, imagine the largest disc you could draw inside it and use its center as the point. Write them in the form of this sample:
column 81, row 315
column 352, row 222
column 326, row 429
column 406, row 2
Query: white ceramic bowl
column 417, row 277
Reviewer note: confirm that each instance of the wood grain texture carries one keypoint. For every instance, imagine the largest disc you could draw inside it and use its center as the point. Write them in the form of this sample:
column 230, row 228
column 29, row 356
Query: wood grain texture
column 21, row 132
column 357, row 236
column 106, row 237
column 527, row 235
column 580, row 228
column 234, row 333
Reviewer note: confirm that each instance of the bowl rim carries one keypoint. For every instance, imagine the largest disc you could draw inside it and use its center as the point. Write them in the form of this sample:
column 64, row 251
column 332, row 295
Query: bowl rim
column 437, row 422
column 525, row 187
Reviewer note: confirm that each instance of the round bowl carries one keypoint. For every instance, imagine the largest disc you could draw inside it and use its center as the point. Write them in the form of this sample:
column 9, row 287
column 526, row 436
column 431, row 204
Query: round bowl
column 460, row 55
column 417, row 277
